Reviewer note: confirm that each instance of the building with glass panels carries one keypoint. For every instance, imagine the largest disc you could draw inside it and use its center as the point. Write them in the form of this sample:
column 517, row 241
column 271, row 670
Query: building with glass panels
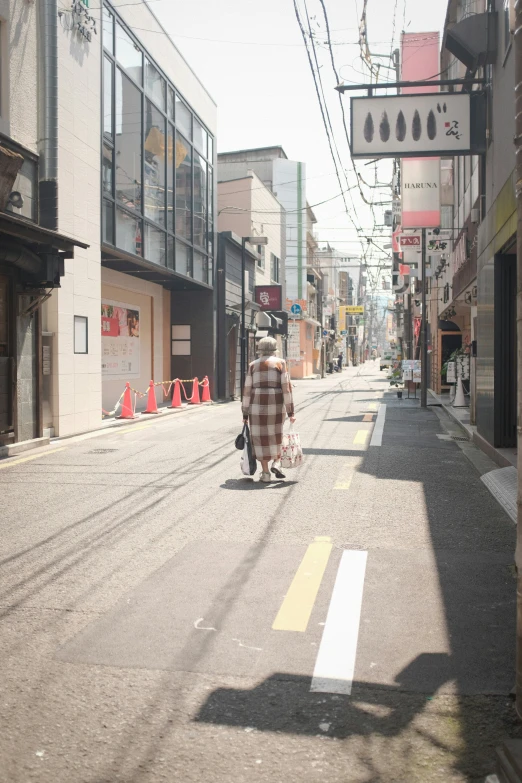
column 136, row 150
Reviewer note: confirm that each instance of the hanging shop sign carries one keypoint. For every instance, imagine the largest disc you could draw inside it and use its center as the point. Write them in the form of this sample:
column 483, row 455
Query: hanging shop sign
column 417, row 125
column 421, row 193
column 353, row 309
column 269, row 297
column 410, row 240
column 120, row 332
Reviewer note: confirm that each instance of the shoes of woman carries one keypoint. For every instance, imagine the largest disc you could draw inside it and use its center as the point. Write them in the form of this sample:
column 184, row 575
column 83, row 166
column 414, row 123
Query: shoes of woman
column 266, row 478
column 277, row 473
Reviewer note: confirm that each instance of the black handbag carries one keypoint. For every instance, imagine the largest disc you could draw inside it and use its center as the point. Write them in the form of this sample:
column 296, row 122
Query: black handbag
column 240, row 440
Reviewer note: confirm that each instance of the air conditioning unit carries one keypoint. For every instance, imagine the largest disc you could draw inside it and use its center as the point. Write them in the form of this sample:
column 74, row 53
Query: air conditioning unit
column 475, row 215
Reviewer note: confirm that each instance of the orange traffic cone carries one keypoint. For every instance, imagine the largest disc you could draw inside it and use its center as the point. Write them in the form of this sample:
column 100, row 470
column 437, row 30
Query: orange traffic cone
column 205, row 395
column 127, row 411
column 152, row 405
column 194, row 400
column 176, row 396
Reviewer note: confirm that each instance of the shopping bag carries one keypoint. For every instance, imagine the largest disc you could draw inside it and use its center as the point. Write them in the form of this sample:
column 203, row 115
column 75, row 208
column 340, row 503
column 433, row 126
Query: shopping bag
column 248, row 461
column 291, row 451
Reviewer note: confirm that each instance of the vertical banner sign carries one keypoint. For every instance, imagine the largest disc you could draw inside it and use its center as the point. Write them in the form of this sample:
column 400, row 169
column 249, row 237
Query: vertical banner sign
column 420, row 185
column 120, row 331
column 420, row 192
column 294, row 342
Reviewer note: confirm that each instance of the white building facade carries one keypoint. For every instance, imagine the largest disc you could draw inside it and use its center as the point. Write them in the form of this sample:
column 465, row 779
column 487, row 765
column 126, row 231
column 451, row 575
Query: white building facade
column 136, row 183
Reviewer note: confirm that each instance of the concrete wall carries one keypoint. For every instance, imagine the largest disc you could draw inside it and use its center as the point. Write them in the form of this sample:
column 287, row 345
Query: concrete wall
column 257, row 212
column 18, row 72
column 76, row 405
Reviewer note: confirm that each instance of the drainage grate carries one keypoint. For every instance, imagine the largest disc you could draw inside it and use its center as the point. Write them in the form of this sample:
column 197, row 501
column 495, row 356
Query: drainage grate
column 102, row 451
column 461, row 440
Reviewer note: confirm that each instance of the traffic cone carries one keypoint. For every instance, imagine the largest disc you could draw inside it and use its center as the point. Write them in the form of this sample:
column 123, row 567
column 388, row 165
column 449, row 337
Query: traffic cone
column 152, row 405
column 460, row 400
column 205, row 395
column 127, row 411
column 194, row 400
column 176, row 396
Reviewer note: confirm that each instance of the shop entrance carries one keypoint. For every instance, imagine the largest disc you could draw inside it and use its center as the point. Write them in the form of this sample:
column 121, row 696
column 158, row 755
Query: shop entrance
column 6, row 364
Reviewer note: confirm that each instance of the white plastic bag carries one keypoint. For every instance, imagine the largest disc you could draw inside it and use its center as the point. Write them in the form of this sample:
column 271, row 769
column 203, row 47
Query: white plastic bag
column 291, row 451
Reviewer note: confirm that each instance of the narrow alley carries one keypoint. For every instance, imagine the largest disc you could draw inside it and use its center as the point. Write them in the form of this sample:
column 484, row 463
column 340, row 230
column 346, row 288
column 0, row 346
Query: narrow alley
column 165, row 618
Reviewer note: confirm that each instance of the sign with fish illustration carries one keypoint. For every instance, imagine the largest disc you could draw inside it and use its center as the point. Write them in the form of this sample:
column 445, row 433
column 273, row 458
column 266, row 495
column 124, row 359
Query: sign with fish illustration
column 402, row 126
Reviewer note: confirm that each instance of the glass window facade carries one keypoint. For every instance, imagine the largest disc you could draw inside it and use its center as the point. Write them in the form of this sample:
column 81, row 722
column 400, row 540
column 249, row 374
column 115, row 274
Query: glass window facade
column 157, row 173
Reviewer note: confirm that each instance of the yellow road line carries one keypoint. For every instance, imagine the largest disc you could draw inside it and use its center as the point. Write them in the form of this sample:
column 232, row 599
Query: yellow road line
column 299, row 601
column 372, row 406
column 347, row 473
column 33, row 456
column 361, row 437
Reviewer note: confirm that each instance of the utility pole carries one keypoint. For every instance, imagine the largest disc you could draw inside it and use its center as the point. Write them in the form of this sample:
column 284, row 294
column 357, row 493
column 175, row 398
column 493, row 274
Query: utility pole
column 424, row 329
column 518, row 147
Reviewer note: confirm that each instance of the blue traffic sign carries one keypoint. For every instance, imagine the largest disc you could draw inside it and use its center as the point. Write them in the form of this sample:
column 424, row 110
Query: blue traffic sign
column 325, row 332
column 296, row 309
column 344, row 331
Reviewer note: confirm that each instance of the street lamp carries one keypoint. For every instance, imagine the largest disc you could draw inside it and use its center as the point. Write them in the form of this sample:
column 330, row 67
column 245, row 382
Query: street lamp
column 251, row 241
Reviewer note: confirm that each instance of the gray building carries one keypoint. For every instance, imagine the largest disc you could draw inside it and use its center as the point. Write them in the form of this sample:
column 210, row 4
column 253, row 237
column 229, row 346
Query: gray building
column 228, row 297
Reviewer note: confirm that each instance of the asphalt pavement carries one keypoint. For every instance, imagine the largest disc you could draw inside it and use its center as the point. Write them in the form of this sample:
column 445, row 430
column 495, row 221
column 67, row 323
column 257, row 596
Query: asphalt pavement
column 164, row 618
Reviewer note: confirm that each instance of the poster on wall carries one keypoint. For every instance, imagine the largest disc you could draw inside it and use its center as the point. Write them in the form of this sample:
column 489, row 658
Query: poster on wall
column 294, row 343
column 120, row 331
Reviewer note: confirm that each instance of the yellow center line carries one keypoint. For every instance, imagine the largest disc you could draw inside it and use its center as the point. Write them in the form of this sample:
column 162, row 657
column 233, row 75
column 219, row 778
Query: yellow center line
column 361, row 437
column 299, row 601
column 347, row 473
column 33, row 456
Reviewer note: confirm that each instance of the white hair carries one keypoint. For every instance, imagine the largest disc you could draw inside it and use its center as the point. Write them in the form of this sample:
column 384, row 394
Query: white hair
column 267, row 346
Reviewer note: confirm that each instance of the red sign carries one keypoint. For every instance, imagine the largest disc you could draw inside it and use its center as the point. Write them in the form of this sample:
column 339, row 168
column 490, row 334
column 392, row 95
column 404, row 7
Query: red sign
column 110, row 327
column 268, row 297
column 407, row 241
column 404, row 269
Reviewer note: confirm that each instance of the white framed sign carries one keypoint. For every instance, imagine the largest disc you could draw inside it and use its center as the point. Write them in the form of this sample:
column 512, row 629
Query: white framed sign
column 294, row 343
column 412, row 125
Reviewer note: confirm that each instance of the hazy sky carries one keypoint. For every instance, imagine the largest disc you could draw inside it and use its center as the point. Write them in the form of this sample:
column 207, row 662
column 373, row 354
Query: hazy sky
column 251, row 58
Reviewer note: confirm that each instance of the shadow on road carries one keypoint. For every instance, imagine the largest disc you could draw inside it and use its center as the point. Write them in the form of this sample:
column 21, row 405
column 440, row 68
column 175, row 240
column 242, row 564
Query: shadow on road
column 249, row 484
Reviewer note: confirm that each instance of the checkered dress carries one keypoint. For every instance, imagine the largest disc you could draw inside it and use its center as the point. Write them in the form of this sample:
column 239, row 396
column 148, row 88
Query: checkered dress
column 266, row 396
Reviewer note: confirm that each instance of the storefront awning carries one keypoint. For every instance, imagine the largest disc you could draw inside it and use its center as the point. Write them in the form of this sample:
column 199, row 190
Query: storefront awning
column 31, row 234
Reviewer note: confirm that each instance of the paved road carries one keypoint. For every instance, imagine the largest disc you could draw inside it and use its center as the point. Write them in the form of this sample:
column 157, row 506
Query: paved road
column 165, row 619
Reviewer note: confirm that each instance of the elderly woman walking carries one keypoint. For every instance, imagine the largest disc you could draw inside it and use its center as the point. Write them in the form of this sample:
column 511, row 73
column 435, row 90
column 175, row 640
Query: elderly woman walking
column 267, row 397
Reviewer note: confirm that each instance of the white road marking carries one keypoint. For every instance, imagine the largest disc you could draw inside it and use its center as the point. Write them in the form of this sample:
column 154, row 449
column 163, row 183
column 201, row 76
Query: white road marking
column 335, row 663
column 379, row 427
column 201, row 627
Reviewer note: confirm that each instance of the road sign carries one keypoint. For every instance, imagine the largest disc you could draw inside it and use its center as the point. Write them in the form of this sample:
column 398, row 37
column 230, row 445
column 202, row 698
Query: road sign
column 296, row 309
column 344, row 331
column 325, row 332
